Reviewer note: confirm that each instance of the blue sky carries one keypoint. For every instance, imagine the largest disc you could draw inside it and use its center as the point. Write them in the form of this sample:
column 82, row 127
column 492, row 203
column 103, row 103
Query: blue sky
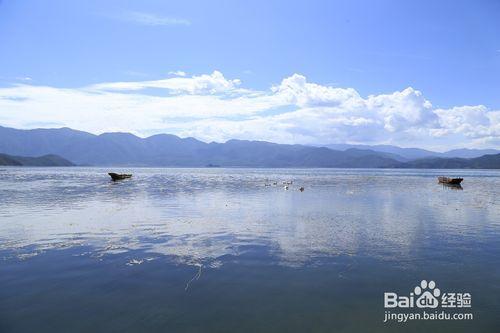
column 447, row 52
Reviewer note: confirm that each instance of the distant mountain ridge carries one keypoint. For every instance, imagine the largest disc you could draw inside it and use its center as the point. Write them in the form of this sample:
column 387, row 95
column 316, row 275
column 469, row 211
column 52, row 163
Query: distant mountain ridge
column 125, row 149
column 46, row 160
column 482, row 162
column 416, row 153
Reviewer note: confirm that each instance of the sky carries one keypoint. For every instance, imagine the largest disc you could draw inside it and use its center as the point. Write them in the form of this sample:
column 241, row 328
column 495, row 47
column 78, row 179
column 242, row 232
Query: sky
column 409, row 73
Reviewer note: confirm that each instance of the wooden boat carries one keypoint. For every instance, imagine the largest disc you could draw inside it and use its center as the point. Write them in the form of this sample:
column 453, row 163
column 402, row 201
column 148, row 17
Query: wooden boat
column 119, row 176
column 450, row 181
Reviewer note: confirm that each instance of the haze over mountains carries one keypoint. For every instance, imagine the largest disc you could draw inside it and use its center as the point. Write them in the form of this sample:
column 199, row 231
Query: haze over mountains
column 124, row 149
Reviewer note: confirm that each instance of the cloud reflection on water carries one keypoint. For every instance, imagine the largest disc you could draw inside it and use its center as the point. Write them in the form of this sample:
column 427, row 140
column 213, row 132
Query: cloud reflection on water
column 199, row 216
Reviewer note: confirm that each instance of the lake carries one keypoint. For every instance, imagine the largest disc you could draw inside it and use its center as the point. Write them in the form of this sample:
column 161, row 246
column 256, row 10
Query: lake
column 216, row 250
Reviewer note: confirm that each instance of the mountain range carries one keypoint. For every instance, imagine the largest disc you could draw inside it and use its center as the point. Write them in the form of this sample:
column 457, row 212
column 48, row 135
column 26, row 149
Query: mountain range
column 46, row 160
column 125, row 149
column 408, row 154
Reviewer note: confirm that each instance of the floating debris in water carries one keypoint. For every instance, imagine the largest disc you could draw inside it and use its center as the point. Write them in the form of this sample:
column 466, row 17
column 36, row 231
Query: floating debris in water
column 87, row 253
column 216, row 264
column 196, row 277
column 113, row 247
column 25, row 256
column 135, row 262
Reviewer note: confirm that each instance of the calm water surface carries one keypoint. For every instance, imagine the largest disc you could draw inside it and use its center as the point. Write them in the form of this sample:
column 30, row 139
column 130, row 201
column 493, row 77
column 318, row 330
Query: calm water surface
column 215, row 250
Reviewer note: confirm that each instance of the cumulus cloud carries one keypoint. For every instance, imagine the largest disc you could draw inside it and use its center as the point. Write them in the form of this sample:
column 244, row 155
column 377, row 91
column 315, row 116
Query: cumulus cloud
column 296, row 90
column 474, row 122
column 212, row 107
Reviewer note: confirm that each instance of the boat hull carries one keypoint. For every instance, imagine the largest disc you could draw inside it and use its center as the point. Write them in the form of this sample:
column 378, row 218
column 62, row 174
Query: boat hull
column 450, row 181
column 118, row 176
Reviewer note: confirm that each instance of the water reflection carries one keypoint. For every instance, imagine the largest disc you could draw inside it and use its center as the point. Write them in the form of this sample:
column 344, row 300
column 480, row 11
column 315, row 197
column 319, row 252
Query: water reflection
column 214, row 250
column 452, row 186
column 201, row 215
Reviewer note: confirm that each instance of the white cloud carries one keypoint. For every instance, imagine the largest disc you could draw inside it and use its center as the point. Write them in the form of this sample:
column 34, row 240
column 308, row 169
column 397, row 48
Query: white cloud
column 214, row 108
column 476, row 122
column 150, row 19
column 403, row 109
column 24, row 78
column 296, row 90
column 177, row 73
column 202, row 84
